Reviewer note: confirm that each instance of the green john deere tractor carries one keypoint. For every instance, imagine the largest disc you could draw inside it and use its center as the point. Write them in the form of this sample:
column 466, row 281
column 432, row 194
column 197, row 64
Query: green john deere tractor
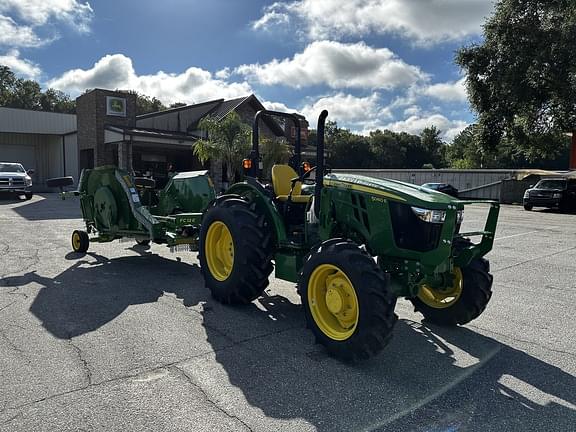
column 352, row 244
column 116, row 205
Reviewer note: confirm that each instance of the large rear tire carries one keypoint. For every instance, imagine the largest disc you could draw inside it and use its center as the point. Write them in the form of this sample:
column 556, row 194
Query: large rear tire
column 462, row 303
column 346, row 300
column 236, row 248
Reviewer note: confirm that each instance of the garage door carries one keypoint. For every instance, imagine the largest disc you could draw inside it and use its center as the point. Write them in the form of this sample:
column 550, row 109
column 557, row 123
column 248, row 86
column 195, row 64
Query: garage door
column 26, row 155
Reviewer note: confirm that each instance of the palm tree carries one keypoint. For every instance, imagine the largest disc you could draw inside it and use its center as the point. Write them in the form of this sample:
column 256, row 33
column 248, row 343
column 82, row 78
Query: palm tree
column 274, row 151
column 228, row 140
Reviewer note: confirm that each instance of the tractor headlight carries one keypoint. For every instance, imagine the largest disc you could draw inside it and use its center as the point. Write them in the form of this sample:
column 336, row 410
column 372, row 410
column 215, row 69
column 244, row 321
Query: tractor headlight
column 557, row 195
column 435, row 216
column 526, row 194
column 28, row 181
column 427, row 215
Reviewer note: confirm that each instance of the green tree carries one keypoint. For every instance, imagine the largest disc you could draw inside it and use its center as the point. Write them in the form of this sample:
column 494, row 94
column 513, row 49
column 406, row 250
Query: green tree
column 227, row 140
column 177, row 105
column 27, row 94
column 464, row 152
column 146, row 104
column 57, row 101
column 522, row 77
column 387, row 149
column 274, row 151
column 433, row 146
column 348, row 150
column 7, row 86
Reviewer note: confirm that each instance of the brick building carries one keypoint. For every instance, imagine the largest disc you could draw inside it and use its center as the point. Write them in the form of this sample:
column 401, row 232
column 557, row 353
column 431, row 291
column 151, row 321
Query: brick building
column 109, row 132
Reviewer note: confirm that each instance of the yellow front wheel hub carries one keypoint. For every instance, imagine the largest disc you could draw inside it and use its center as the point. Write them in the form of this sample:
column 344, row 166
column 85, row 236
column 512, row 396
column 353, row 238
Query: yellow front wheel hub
column 219, row 251
column 333, row 302
column 442, row 299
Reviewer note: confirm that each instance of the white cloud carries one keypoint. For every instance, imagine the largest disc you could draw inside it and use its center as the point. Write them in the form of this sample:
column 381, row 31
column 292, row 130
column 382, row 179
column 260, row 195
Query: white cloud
column 34, row 14
column 425, row 21
column 278, row 106
column 416, row 123
column 14, row 35
column 40, row 12
column 412, row 110
column 20, row 66
column 117, row 72
column 448, row 92
column 223, row 73
column 336, row 65
column 348, row 110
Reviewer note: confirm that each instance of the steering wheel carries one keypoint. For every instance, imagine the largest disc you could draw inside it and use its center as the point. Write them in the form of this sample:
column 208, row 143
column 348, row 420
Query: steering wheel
column 301, row 178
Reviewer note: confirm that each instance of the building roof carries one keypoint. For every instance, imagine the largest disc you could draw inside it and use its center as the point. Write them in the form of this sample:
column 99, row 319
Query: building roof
column 16, row 120
column 150, row 133
column 185, row 119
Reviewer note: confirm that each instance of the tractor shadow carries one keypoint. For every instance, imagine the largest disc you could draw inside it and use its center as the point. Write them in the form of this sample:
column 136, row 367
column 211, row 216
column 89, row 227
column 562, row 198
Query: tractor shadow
column 428, row 378
column 95, row 290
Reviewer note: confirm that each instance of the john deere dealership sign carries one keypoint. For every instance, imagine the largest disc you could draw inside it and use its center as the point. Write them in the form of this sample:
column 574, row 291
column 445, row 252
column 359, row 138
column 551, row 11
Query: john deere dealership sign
column 115, row 106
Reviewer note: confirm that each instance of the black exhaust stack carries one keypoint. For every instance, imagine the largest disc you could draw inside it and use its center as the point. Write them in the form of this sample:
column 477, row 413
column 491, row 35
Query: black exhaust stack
column 319, row 161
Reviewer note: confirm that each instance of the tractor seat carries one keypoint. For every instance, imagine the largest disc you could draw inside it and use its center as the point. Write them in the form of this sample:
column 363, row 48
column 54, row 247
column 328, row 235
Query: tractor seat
column 282, row 176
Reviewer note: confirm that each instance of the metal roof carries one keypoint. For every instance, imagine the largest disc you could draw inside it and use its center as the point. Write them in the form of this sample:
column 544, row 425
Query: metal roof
column 15, row 120
column 185, row 119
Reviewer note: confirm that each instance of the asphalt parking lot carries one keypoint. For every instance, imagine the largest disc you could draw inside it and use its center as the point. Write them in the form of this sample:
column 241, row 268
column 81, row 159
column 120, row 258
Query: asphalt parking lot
column 127, row 338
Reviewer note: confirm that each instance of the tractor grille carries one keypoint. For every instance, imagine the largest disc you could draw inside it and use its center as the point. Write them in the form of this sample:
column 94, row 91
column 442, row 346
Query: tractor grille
column 412, row 233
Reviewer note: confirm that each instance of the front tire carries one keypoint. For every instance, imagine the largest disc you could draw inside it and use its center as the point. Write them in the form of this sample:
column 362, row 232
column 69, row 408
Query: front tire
column 346, row 300
column 28, row 195
column 235, row 254
column 462, row 303
column 528, row 207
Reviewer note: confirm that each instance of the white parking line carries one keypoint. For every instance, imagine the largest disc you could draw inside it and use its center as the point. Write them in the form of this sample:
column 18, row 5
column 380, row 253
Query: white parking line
column 515, row 235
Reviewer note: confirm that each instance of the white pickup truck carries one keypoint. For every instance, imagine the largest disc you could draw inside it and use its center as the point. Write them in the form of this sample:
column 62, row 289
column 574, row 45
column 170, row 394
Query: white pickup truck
column 15, row 179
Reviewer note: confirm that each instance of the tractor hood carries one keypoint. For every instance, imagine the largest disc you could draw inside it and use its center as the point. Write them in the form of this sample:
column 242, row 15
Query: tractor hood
column 390, row 189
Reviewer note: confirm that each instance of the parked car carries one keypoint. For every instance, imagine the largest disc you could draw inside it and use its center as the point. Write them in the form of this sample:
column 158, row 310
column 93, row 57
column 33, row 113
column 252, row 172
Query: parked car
column 551, row 193
column 15, row 179
column 442, row 187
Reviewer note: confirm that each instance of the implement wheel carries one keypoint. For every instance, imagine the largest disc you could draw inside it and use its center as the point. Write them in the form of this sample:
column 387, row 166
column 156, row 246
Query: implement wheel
column 80, row 241
column 462, row 302
column 346, row 300
column 235, row 251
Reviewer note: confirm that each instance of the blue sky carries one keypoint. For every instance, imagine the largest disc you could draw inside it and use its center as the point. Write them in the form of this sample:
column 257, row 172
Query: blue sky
column 371, row 63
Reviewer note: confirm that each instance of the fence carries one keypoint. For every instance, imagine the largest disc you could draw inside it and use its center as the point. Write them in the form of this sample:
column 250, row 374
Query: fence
column 497, row 184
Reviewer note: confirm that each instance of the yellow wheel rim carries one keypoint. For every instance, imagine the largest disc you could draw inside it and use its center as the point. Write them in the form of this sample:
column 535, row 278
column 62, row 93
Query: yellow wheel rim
column 333, row 302
column 76, row 241
column 219, row 251
column 442, row 299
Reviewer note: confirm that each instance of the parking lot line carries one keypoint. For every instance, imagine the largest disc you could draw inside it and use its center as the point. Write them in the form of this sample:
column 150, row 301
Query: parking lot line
column 515, row 235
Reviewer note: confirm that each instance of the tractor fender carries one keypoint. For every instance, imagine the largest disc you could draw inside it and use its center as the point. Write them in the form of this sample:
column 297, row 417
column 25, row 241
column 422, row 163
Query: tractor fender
column 264, row 204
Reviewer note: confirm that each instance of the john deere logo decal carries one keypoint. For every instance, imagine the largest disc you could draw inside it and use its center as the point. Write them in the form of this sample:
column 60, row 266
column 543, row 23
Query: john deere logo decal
column 116, row 106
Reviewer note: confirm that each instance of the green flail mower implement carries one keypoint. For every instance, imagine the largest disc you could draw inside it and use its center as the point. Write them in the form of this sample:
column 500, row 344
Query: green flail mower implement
column 352, row 244
column 117, row 206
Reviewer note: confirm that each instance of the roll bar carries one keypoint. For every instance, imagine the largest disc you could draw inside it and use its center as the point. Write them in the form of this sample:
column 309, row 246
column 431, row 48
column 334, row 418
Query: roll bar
column 255, row 153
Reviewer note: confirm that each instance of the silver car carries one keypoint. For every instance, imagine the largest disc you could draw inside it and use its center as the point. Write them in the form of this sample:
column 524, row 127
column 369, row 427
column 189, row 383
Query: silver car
column 15, row 179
